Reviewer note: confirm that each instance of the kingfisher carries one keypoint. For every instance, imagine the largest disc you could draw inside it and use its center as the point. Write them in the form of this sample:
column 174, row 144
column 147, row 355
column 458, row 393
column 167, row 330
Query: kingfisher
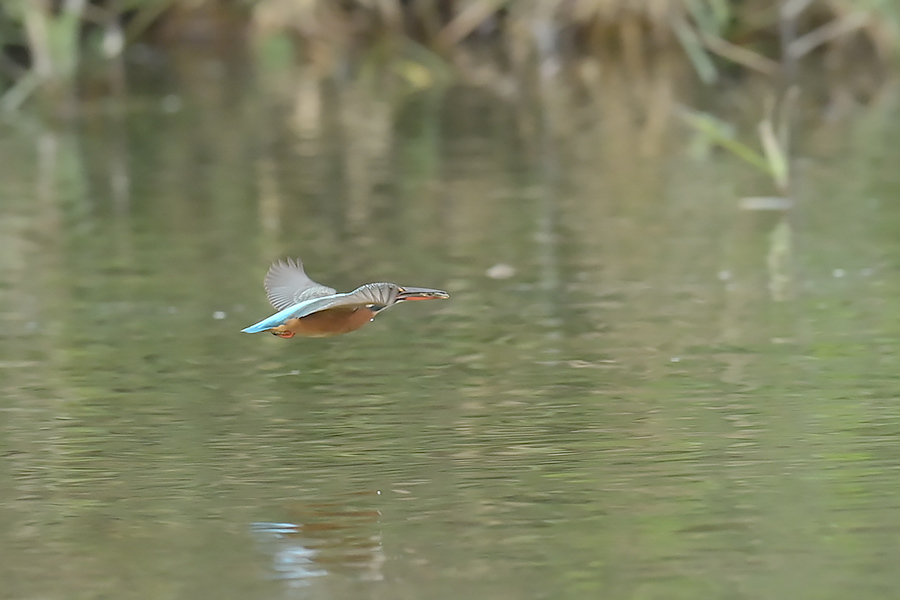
column 311, row 309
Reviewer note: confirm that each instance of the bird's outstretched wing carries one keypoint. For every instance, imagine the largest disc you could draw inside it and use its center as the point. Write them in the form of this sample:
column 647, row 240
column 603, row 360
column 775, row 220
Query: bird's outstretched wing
column 288, row 284
column 381, row 295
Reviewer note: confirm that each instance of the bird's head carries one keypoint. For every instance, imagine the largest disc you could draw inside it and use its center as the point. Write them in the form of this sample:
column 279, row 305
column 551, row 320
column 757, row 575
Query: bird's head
column 378, row 296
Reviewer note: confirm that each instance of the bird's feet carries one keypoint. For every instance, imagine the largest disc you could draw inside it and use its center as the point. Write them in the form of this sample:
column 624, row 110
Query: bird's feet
column 283, row 334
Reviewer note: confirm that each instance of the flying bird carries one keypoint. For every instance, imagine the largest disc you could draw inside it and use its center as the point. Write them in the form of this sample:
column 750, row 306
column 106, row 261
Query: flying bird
column 311, row 309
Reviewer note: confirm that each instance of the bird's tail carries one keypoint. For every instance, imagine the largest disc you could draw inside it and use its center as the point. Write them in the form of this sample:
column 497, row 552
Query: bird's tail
column 272, row 321
column 254, row 329
column 258, row 327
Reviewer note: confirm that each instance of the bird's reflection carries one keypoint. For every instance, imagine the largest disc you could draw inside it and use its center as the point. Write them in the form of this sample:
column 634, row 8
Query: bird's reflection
column 324, row 538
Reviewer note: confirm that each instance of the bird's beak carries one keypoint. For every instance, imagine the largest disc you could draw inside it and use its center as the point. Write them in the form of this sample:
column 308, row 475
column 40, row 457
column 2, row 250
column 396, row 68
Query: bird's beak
column 414, row 293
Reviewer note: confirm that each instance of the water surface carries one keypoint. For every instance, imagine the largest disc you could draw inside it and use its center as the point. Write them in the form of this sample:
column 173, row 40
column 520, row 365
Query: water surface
column 637, row 388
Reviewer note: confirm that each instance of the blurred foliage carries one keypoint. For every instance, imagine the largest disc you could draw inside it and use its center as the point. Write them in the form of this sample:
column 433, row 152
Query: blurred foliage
column 774, row 137
column 47, row 43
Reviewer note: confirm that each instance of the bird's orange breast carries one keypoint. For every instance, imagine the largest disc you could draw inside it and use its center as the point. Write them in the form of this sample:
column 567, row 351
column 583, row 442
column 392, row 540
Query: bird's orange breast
column 334, row 321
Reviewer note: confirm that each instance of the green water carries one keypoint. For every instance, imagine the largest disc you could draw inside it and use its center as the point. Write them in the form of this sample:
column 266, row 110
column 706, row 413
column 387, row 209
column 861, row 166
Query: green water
column 667, row 397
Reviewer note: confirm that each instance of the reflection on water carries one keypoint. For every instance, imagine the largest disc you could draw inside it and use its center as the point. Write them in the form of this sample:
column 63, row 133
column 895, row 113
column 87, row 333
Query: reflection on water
column 325, row 538
column 659, row 394
column 291, row 559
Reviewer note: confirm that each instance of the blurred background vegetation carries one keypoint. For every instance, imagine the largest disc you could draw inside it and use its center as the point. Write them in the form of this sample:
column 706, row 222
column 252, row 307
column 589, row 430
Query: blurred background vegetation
column 56, row 51
column 64, row 55
column 749, row 57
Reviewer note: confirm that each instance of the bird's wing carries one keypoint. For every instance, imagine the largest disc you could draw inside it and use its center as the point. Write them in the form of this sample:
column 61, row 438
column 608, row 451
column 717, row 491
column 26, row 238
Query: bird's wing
column 378, row 294
column 288, row 284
